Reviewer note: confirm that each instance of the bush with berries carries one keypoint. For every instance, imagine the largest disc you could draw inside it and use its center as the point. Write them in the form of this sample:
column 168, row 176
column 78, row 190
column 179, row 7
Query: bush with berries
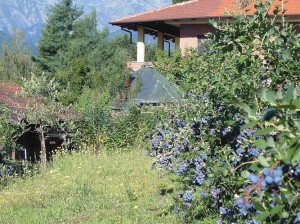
column 233, row 144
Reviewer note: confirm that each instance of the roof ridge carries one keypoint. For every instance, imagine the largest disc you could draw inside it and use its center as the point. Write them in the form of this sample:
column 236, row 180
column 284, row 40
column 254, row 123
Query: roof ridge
column 155, row 10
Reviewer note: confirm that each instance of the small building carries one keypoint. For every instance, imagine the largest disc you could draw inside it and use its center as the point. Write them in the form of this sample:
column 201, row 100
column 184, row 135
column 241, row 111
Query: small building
column 187, row 23
column 29, row 141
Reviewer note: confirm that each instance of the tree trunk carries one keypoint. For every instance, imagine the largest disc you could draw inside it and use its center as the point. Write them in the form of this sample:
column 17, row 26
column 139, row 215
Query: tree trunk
column 43, row 152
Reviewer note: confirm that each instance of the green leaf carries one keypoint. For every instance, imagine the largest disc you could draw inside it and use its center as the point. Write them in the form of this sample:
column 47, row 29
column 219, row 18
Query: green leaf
column 244, row 106
column 285, row 107
column 271, row 142
column 289, row 93
column 259, row 207
column 279, row 94
column 269, row 96
column 285, row 215
column 264, row 131
column 214, row 23
column 283, row 198
column 297, row 184
column 295, row 157
column 296, row 103
column 260, row 143
column 249, row 125
column 262, row 216
column 263, row 161
column 276, row 210
column 278, row 200
column 245, row 174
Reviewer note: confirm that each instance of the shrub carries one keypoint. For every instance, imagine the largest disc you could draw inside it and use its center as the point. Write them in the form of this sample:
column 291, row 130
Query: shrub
column 216, row 146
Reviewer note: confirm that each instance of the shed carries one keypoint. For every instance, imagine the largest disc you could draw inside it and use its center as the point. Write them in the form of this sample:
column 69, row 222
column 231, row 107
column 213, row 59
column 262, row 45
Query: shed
column 11, row 98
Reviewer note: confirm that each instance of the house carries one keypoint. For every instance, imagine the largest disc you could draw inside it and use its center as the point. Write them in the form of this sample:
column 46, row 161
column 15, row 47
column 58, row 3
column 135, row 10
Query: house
column 186, row 23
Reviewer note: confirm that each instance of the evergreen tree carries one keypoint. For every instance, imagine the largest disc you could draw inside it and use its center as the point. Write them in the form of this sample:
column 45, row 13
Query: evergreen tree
column 83, row 40
column 56, row 33
column 78, row 55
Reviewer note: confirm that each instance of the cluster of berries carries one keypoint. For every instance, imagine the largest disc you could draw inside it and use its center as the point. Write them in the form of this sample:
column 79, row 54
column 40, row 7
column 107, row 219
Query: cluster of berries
column 243, row 206
column 297, row 220
column 272, row 177
column 188, row 196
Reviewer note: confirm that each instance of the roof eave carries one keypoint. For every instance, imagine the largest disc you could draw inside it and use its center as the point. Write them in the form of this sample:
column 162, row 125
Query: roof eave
column 121, row 22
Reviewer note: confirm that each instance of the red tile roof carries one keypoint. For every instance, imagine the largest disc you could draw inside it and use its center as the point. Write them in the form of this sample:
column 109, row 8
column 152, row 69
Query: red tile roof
column 197, row 9
column 11, row 98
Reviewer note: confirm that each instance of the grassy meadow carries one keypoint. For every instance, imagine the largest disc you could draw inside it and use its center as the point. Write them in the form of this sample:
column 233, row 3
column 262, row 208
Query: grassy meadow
column 114, row 187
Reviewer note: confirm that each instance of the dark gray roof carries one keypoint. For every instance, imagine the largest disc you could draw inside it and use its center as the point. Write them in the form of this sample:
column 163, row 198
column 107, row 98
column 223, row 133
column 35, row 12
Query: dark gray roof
column 153, row 87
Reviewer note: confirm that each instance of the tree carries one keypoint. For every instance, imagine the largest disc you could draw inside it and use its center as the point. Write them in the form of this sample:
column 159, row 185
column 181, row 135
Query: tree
column 78, row 55
column 45, row 112
column 56, row 34
column 83, row 40
column 16, row 60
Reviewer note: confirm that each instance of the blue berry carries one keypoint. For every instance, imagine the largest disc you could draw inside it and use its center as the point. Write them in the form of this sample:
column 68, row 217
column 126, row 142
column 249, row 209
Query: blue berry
column 278, row 173
column 223, row 211
column 297, row 169
column 263, row 184
column 203, row 156
column 266, row 171
column 273, row 173
column 277, row 180
column 239, row 201
column 253, row 178
column 269, row 180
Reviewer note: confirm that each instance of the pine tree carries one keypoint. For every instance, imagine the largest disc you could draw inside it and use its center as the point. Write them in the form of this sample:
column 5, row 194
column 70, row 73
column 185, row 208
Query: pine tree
column 56, row 33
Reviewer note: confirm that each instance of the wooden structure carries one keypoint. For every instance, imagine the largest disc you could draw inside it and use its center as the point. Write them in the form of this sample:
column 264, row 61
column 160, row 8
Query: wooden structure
column 29, row 142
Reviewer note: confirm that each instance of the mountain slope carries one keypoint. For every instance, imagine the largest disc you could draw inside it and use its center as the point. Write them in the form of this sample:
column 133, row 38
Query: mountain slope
column 25, row 15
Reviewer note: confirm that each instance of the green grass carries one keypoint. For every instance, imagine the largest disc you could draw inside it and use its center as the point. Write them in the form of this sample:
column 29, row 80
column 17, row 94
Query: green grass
column 116, row 187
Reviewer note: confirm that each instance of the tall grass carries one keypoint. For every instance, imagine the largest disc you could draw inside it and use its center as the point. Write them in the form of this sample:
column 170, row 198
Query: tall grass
column 116, row 187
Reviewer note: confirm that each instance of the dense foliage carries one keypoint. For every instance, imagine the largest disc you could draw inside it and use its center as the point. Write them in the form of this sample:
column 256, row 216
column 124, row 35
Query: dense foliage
column 78, row 55
column 233, row 145
column 78, row 66
column 15, row 60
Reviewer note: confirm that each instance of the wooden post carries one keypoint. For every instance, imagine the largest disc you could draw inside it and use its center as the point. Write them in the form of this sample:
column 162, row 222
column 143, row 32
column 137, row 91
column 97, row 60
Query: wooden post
column 13, row 154
column 13, row 151
column 43, row 152
column 177, row 42
column 160, row 41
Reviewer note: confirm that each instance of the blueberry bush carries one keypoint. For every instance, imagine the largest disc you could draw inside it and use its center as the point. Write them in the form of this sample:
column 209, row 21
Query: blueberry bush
column 232, row 145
